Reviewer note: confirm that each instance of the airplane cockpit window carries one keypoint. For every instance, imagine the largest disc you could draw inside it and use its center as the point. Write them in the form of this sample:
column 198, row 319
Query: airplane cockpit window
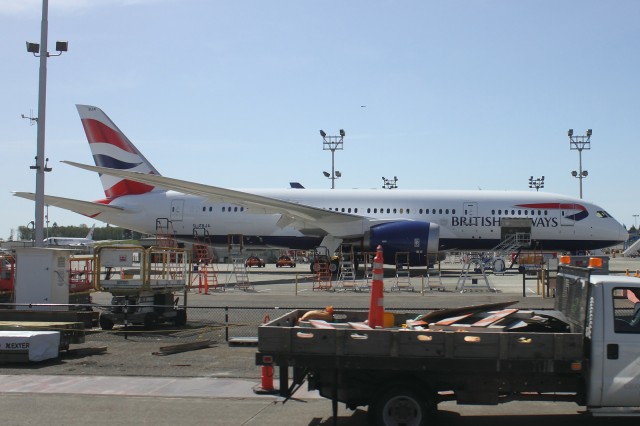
column 602, row 214
column 626, row 310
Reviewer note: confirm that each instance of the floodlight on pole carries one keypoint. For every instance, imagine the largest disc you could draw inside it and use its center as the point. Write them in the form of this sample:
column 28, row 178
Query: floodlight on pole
column 40, row 50
column 332, row 143
column 389, row 183
column 536, row 183
column 580, row 143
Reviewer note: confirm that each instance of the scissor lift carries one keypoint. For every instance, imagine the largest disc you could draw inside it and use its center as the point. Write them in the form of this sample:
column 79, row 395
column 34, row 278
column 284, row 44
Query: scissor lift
column 143, row 283
column 81, row 279
column 7, row 278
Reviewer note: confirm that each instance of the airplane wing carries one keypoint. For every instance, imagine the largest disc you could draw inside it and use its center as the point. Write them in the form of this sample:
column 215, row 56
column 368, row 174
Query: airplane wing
column 86, row 208
column 297, row 215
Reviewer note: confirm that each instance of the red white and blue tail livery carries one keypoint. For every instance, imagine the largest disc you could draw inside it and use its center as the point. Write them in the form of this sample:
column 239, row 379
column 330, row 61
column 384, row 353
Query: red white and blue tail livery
column 112, row 149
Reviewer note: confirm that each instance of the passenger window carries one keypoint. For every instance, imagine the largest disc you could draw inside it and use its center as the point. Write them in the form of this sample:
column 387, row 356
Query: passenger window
column 626, row 310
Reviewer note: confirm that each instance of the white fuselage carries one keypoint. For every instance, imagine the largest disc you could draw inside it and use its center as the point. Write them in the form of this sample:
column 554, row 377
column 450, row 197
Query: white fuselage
column 467, row 219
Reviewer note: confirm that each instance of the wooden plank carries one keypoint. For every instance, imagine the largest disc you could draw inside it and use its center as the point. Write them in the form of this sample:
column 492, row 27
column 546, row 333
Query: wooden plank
column 453, row 320
column 446, row 313
column 494, row 317
column 360, row 326
column 184, row 347
column 320, row 324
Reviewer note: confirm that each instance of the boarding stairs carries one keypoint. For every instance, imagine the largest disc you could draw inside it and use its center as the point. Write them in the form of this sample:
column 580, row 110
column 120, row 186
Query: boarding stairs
column 512, row 243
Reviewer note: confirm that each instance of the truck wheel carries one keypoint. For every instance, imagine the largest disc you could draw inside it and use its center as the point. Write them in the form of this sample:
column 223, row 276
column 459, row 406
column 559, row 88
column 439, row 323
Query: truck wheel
column 150, row 320
column 401, row 406
column 181, row 317
column 106, row 323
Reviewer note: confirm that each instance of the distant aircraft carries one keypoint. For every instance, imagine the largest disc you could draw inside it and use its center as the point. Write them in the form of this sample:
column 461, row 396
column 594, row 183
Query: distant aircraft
column 70, row 241
column 401, row 221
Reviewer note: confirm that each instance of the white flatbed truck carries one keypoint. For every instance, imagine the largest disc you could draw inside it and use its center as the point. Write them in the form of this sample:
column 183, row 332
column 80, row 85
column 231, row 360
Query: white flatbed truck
column 586, row 350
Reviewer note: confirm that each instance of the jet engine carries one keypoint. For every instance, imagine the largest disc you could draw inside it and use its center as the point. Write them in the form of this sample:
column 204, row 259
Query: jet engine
column 419, row 239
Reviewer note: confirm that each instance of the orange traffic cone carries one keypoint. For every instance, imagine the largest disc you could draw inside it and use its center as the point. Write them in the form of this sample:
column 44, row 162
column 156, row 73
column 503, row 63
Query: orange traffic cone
column 376, row 306
column 266, row 376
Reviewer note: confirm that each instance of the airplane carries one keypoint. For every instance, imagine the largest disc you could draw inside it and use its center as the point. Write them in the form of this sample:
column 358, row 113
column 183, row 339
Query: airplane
column 70, row 241
column 418, row 222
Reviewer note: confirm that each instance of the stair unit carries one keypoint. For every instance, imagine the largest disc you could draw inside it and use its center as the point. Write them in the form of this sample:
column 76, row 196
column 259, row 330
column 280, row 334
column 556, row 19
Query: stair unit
column 321, row 265
column 347, row 273
column 240, row 272
column 165, row 235
column 403, row 273
column 205, row 260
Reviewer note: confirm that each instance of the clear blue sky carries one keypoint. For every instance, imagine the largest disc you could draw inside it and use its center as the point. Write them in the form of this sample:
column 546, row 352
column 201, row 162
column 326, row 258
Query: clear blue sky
column 443, row 94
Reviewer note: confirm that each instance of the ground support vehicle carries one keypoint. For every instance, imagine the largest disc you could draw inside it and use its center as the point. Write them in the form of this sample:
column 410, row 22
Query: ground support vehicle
column 586, row 350
column 145, row 285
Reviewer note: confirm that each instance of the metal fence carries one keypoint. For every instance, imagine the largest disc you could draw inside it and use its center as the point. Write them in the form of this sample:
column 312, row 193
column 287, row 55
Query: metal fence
column 220, row 323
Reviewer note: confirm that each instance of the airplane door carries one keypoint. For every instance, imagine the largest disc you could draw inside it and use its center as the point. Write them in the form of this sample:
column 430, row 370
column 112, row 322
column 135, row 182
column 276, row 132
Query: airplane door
column 177, row 208
column 567, row 213
column 620, row 373
column 470, row 209
column 470, row 218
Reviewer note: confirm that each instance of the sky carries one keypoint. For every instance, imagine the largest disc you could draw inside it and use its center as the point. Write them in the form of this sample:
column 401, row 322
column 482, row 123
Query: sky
column 448, row 94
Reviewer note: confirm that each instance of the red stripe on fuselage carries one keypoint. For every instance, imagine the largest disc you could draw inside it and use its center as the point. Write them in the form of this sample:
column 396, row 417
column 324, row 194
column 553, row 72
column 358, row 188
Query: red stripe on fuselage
column 553, row 206
column 98, row 132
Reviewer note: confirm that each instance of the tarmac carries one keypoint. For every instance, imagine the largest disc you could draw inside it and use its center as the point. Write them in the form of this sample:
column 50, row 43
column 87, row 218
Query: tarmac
column 128, row 384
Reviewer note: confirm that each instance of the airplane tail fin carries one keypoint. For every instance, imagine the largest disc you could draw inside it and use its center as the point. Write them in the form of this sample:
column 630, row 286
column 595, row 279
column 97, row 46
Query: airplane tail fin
column 90, row 234
column 111, row 148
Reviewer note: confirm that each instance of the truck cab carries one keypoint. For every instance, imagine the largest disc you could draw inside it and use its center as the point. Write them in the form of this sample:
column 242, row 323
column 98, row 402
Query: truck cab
column 614, row 372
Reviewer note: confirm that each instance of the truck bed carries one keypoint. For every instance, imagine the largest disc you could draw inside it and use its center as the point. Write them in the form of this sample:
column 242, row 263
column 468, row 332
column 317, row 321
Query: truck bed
column 339, row 342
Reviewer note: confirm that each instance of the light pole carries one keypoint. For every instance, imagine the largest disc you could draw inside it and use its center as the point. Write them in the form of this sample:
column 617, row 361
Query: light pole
column 332, row 143
column 635, row 221
column 580, row 143
column 40, row 50
column 390, row 183
column 536, row 183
